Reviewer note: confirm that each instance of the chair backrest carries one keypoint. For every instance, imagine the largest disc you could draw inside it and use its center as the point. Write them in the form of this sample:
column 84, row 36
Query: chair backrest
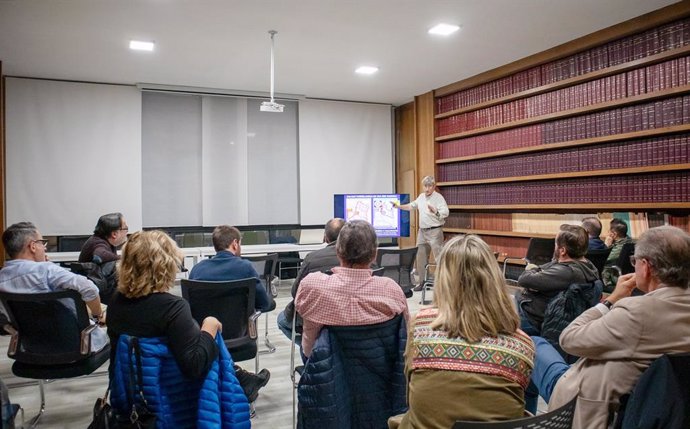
column 231, row 302
column 397, row 265
column 661, row 397
column 49, row 327
column 540, row 250
column 71, row 243
column 560, row 418
column 623, row 261
column 365, row 366
column 598, row 257
column 266, row 266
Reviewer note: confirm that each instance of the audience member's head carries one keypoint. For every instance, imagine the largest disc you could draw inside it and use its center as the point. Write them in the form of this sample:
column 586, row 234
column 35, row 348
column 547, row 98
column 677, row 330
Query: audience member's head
column 22, row 240
column 470, row 292
column 428, row 183
column 592, row 225
column 572, row 240
column 356, row 245
column 619, row 228
column 150, row 261
column 662, row 256
column 112, row 227
column 226, row 237
column 333, row 227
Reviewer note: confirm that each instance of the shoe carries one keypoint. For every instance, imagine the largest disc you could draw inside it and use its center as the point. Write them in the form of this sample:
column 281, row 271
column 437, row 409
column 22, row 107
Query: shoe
column 251, row 383
column 418, row 288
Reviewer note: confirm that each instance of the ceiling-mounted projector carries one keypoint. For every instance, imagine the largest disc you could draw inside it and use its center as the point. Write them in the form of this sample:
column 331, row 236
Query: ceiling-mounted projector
column 271, row 106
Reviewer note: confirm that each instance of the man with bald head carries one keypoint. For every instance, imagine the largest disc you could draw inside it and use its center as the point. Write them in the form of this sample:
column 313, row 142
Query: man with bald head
column 318, row 261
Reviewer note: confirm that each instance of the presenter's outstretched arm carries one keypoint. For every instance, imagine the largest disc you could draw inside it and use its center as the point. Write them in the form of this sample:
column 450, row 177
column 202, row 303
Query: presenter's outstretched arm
column 406, row 207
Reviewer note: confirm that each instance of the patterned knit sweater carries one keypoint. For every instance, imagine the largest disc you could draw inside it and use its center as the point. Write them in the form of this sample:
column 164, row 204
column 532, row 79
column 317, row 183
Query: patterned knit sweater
column 507, row 356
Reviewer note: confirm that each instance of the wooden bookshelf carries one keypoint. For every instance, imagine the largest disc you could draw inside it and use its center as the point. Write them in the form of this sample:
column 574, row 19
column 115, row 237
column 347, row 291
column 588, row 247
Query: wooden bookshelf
column 573, row 174
column 607, row 105
column 572, row 143
column 609, row 71
column 574, row 208
column 498, row 233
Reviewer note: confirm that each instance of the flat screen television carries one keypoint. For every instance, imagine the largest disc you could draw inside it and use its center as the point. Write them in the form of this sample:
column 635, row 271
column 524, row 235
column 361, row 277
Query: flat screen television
column 377, row 209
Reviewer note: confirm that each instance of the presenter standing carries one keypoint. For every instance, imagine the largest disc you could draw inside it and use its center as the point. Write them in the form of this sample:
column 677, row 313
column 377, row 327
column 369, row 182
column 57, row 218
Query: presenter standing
column 433, row 212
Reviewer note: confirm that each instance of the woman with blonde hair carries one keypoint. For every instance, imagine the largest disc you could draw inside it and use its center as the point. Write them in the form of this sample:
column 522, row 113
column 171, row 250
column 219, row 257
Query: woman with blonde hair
column 142, row 306
column 466, row 358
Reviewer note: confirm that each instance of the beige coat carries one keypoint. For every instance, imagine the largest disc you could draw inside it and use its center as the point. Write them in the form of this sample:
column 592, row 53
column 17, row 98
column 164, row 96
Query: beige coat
column 617, row 347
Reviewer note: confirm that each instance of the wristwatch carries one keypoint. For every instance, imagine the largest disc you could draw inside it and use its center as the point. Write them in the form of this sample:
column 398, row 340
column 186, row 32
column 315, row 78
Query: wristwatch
column 608, row 304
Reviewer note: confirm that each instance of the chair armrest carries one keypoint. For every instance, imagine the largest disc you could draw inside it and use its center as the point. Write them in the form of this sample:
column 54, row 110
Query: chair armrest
column 426, row 271
column 616, row 268
column 85, row 344
column 509, row 260
column 14, row 340
column 253, row 331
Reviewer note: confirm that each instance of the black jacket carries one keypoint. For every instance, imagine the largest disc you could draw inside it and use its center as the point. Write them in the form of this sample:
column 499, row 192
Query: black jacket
column 544, row 283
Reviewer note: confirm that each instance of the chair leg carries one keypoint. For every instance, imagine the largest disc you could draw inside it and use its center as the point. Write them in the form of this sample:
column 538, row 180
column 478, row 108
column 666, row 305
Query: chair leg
column 269, row 345
column 34, row 420
column 252, row 410
column 256, row 364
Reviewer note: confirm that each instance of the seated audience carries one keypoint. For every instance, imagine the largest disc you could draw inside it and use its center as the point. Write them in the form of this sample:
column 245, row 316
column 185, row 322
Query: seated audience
column 144, row 308
column 319, row 260
column 466, row 357
column 615, row 239
column 29, row 271
column 351, row 295
column 227, row 265
column 593, row 227
column 110, row 233
column 542, row 283
column 618, row 340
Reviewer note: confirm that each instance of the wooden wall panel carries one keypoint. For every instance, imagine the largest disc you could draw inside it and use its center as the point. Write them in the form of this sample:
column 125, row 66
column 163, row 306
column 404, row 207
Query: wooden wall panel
column 406, row 162
column 424, row 120
column 2, row 161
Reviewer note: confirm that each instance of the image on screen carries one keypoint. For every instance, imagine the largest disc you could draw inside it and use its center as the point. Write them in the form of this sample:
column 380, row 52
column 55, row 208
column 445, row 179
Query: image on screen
column 377, row 209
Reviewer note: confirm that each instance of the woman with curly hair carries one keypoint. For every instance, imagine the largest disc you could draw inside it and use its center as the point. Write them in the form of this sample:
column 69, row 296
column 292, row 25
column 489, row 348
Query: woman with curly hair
column 466, row 358
column 142, row 306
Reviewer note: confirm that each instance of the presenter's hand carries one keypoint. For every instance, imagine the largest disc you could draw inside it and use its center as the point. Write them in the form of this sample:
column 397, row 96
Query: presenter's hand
column 396, row 204
column 432, row 209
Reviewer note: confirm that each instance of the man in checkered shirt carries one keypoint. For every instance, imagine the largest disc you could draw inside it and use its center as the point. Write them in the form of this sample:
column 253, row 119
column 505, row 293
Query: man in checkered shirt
column 351, row 295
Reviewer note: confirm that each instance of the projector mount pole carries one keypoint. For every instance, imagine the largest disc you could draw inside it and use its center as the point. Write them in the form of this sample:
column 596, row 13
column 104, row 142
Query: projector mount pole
column 272, row 33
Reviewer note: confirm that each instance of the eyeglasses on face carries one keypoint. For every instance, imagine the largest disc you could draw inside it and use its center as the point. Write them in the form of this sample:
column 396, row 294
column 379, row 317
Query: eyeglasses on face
column 634, row 259
column 124, row 228
column 44, row 242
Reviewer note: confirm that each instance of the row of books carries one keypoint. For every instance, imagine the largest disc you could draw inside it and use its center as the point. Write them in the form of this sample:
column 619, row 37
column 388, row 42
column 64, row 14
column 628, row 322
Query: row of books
column 655, row 114
column 645, row 188
column 672, row 149
column 573, row 97
column 644, row 44
column 549, row 224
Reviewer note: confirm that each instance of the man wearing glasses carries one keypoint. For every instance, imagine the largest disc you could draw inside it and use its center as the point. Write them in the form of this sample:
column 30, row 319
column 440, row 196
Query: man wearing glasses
column 619, row 338
column 110, row 233
column 29, row 271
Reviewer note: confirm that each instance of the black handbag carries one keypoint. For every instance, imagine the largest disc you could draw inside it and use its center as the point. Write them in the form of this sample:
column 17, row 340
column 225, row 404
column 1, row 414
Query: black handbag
column 103, row 416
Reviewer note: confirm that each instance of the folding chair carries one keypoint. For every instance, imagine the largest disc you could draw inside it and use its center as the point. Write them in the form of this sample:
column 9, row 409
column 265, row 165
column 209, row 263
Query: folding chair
column 266, row 266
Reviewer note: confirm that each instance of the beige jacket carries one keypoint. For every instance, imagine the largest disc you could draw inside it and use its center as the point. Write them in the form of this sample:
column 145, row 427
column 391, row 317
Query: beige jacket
column 617, row 347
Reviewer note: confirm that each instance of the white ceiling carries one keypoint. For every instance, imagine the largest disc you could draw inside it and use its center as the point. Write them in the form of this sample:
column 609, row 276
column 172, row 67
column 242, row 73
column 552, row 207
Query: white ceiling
column 224, row 43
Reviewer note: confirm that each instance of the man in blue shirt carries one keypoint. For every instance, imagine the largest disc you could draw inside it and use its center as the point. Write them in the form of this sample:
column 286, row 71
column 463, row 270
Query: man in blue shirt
column 29, row 271
column 228, row 265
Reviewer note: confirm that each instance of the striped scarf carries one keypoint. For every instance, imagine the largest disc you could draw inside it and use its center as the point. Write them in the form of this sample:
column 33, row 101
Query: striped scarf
column 507, row 356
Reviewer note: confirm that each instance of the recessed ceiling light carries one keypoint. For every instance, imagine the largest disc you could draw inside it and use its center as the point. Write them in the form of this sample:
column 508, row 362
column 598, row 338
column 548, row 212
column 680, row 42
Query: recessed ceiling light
column 366, row 70
column 444, row 29
column 138, row 45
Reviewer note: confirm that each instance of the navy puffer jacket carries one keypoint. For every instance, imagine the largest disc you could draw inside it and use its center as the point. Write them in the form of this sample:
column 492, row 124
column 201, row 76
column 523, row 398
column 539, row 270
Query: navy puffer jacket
column 355, row 377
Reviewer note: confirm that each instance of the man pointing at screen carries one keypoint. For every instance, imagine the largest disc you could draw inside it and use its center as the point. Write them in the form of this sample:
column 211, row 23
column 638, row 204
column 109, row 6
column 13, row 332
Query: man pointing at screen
column 433, row 212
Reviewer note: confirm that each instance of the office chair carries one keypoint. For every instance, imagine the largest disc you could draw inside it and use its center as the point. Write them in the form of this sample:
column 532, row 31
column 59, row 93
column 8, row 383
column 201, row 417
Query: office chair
column 560, row 418
column 51, row 338
column 539, row 252
column 397, row 265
